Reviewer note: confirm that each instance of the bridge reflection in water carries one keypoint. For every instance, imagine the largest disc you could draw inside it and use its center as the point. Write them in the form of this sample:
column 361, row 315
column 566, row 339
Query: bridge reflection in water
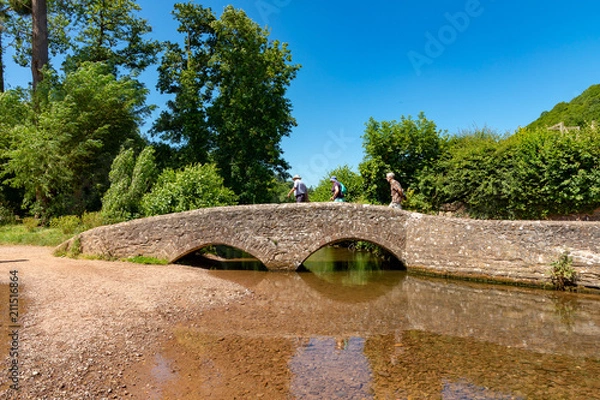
column 388, row 335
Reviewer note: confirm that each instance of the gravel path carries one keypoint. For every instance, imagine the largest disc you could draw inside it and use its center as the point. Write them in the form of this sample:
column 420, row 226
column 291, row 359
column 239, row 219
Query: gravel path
column 84, row 325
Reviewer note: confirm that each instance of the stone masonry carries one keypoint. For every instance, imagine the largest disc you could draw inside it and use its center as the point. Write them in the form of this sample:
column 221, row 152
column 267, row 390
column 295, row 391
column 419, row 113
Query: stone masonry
column 282, row 236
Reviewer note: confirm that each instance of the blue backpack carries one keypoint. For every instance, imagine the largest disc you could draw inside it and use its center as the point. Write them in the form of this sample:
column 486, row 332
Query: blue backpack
column 343, row 189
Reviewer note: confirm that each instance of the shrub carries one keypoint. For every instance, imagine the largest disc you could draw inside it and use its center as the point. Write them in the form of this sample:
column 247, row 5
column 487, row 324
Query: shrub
column 562, row 273
column 68, row 224
column 195, row 186
column 91, row 220
column 130, row 180
column 31, row 223
column 6, row 216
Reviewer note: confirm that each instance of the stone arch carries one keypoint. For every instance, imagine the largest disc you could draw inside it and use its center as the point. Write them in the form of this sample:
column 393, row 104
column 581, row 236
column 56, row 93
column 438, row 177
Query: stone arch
column 346, row 236
column 224, row 242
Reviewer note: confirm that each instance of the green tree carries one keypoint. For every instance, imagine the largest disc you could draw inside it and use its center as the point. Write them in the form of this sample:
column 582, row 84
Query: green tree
column 195, row 186
column 349, row 178
column 29, row 26
column 229, row 82
column 13, row 111
column 185, row 73
column 110, row 32
column 405, row 148
column 62, row 154
column 130, row 180
column 251, row 107
column 91, row 30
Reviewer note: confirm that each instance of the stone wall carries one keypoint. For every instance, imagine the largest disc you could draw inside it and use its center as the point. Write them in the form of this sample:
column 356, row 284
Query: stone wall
column 282, row 236
column 519, row 251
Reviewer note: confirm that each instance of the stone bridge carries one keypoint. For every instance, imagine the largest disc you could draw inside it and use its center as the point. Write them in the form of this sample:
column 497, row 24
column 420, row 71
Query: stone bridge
column 283, row 236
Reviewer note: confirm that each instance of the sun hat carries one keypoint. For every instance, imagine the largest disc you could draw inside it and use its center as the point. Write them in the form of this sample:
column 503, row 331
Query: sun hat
column 296, row 177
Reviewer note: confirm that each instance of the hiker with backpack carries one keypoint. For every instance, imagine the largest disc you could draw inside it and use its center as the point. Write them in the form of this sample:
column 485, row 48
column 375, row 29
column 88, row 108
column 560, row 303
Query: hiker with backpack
column 397, row 191
column 338, row 189
column 299, row 189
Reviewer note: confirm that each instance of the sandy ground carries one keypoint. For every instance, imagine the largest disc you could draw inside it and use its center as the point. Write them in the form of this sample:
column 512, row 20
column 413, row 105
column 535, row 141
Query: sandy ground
column 85, row 325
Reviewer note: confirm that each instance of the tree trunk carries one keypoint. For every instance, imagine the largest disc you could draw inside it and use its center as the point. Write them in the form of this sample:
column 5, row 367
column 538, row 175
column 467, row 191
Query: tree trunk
column 39, row 40
column 1, row 61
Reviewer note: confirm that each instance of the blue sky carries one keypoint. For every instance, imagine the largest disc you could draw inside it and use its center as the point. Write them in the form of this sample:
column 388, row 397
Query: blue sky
column 466, row 64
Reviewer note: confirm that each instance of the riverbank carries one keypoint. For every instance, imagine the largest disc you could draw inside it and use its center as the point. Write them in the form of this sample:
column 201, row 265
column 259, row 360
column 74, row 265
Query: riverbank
column 89, row 323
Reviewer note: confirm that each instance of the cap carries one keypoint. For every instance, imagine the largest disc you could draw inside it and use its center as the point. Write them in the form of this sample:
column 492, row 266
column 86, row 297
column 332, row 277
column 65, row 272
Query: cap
column 333, row 178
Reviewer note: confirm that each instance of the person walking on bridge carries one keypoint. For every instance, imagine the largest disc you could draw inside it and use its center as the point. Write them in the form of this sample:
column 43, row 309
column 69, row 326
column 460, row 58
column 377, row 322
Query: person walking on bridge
column 299, row 190
column 396, row 189
column 337, row 194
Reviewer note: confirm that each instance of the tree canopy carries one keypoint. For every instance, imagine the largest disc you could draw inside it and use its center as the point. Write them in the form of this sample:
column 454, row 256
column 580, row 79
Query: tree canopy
column 62, row 151
column 404, row 147
column 344, row 174
column 229, row 83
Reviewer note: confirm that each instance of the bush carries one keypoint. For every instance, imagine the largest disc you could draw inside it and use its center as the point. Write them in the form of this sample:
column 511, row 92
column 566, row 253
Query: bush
column 6, row 216
column 532, row 174
column 31, row 223
column 196, row 186
column 562, row 273
column 91, row 220
column 130, row 180
column 68, row 224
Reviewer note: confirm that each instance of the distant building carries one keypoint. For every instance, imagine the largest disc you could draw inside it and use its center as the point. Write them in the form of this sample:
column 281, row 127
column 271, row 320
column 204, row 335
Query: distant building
column 562, row 128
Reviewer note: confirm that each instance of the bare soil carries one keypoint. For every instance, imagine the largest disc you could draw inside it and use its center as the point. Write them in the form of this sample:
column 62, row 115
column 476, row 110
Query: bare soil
column 89, row 329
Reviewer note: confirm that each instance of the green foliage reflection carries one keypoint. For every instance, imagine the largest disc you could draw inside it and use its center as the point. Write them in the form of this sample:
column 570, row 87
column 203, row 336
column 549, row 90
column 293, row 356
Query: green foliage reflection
column 343, row 266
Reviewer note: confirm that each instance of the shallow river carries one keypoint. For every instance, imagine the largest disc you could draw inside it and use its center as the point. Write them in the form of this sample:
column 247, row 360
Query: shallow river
column 366, row 333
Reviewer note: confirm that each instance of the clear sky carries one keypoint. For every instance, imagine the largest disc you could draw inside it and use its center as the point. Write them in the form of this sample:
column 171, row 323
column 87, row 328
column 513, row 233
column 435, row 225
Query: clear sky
column 465, row 63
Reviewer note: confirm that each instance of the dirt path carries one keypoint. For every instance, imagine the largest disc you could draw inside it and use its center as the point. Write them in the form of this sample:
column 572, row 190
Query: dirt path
column 87, row 324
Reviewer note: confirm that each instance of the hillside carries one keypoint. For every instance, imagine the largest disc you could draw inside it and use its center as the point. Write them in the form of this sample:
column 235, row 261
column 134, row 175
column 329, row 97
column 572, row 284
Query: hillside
column 580, row 111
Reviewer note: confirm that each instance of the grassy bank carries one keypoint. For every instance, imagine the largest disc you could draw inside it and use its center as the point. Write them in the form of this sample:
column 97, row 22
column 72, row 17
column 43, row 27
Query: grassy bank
column 20, row 234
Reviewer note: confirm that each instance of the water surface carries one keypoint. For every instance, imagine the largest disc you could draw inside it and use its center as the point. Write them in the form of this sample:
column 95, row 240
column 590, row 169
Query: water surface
column 371, row 333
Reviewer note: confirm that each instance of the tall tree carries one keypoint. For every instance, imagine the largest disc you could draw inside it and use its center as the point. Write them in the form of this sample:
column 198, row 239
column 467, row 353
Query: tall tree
column 112, row 33
column 229, row 82
column 185, row 73
column 81, row 31
column 405, row 148
column 4, row 16
column 38, row 11
column 39, row 40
